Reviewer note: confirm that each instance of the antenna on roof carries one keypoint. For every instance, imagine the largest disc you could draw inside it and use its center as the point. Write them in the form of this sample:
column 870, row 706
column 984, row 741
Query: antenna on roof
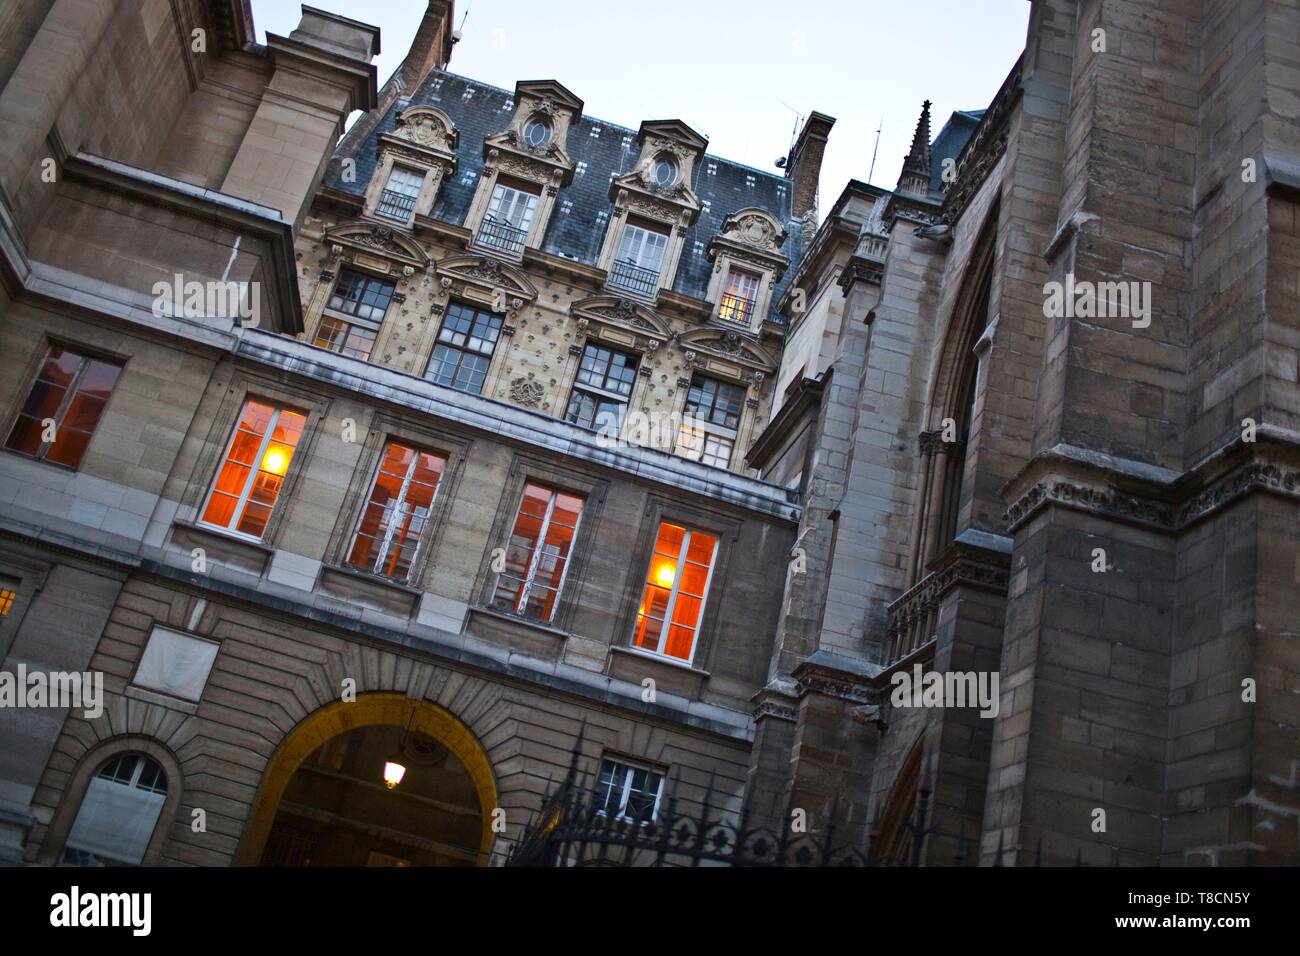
column 458, row 33
column 876, row 148
column 798, row 121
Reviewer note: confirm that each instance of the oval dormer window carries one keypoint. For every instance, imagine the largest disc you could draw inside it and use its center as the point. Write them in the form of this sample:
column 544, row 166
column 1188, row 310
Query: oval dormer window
column 537, row 132
column 664, row 171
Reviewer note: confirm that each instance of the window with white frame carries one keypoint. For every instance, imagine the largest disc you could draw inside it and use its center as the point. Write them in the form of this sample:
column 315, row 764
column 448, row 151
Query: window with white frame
column 739, row 298
column 118, row 813
column 538, row 552
column 400, row 194
column 640, row 257
column 253, row 468
column 354, row 314
column 509, row 216
column 388, row 533
column 629, row 792
column 601, row 389
column 710, row 421
column 677, row 583
column 464, row 349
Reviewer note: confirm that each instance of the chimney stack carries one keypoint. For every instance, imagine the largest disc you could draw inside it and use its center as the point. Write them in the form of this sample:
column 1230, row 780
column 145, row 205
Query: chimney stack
column 804, row 164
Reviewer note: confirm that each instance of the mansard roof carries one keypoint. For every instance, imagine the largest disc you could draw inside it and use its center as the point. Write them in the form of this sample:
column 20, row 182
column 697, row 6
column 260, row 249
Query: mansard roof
column 952, row 139
column 600, row 151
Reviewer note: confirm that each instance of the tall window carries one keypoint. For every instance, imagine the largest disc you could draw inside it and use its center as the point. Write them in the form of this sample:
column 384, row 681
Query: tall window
column 253, row 470
column 388, row 535
column 118, row 813
column 509, row 216
column 63, row 407
column 677, row 583
column 358, row 304
column 601, row 390
column 640, row 257
column 400, row 193
column 708, row 432
column 627, row 791
column 464, row 349
column 740, row 297
column 537, row 554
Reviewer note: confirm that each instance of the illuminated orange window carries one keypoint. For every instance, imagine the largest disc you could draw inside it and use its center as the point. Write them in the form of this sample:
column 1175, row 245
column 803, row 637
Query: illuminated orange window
column 401, row 499
column 677, row 583
column 6, row 601
column 537, row 554
column 64, row 407
column 253, row 470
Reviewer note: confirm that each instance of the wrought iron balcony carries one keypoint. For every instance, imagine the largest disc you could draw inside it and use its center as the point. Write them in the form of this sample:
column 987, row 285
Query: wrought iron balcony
column 738, row 309
column 396, row 205
column 499, row 234
column 628, row 275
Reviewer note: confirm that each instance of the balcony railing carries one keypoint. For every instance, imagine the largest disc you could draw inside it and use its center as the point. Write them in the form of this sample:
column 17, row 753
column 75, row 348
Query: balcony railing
column 395, row 205
column 628, row 275
column 499, row 234
column 738, row 309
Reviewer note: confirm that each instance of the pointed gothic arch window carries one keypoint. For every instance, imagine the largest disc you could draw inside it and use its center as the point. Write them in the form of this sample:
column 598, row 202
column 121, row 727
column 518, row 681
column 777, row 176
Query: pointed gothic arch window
column 955, row 398
column 896, row 834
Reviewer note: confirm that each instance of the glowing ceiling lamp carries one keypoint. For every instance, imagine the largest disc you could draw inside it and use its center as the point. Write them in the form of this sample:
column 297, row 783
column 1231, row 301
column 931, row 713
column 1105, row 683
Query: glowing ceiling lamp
column 666, row 575
column 394, row 771
column 276, row 461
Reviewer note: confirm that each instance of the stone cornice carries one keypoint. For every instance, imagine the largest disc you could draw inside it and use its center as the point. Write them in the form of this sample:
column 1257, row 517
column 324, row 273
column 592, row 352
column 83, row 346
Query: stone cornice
column 834, row 675
column 806, row 399
column 1156, row 498
column 985, row 147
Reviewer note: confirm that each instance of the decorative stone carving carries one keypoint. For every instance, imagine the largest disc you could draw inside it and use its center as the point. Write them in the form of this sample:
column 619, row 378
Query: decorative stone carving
column 525, row 392
column 426, row 126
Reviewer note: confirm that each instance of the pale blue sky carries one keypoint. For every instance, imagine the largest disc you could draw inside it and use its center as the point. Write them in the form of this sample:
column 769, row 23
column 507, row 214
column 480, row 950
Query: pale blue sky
column 729, row 68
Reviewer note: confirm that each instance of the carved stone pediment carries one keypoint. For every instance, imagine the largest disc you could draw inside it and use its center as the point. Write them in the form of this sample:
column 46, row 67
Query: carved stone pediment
column 755, row 228
column 753, row 236
column 548, row 163
column 637, row 190
column 739, row 349
column 370, row 239
column 625, row 316
column 424, row 134
column 489, row 274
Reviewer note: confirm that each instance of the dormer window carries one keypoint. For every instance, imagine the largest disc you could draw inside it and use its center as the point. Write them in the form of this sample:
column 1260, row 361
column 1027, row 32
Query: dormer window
column 640, row 257
column 400, row 193
column 664, row 172
column 538, row 132
column 509, row 217
column 524, row 168
column 412, row 162
column 739, row 297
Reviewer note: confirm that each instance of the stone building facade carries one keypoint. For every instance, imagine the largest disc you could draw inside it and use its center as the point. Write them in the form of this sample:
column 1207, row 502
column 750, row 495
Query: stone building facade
column 378, row 474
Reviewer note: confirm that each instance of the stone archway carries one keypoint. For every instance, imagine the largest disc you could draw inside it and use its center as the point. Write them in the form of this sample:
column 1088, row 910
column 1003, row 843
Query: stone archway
column 344, row 718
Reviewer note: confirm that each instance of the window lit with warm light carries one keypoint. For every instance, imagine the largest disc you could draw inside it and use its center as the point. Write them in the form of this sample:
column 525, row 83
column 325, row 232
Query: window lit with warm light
column 63, row 407
column 388, row 535
column 538, row 552
column 6, row 601
column 739, row 297
column 253, row 469
column 672, row 605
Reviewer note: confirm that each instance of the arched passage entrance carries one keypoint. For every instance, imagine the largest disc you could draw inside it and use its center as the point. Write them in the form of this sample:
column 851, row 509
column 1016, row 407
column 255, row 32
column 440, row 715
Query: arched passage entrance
column 326, row 778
